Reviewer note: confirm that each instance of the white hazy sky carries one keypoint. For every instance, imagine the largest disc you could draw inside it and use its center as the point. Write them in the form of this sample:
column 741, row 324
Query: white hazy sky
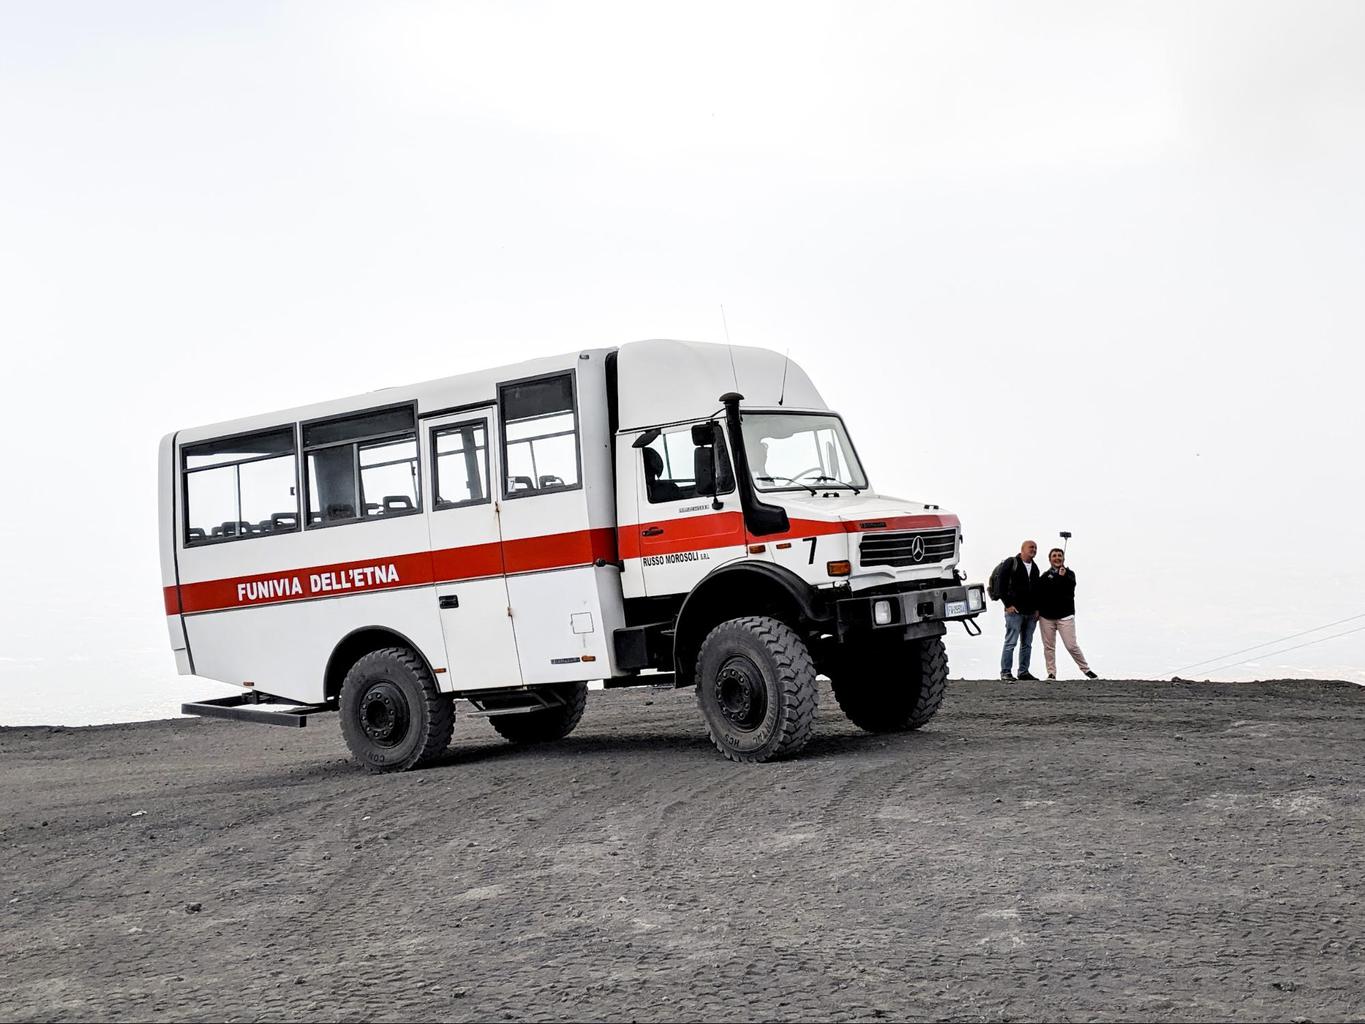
column 1080, row 266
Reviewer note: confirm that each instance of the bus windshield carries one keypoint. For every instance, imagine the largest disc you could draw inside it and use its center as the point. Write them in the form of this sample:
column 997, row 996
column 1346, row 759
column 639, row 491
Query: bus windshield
column 790, row 451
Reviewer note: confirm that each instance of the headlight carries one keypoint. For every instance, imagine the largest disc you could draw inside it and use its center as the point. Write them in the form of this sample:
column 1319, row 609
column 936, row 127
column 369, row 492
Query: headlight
column 974, row 602
column 881, row 613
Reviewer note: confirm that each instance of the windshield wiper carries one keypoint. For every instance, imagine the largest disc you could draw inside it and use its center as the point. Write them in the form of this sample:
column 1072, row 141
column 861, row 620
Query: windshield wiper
column 842, row 483
column 791, row 481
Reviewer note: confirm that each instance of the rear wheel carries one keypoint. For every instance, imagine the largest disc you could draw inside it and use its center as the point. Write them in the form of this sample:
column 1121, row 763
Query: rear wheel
column 392, row 715
column 545, row 724
column 757, row 689
column 891, row 687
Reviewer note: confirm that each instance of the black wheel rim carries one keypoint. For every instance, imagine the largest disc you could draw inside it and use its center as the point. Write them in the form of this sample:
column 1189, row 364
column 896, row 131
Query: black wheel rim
column 384, row 714
column 741, row 693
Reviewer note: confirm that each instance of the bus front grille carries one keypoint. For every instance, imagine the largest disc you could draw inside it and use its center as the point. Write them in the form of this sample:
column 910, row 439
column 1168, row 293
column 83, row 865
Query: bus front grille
column 920, row 547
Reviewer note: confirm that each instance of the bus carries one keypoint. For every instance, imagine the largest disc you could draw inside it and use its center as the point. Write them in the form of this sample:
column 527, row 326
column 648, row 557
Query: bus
column 662, row 513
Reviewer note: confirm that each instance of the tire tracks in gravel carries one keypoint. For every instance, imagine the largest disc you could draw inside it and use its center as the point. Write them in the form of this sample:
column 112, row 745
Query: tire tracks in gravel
column 1035, row 851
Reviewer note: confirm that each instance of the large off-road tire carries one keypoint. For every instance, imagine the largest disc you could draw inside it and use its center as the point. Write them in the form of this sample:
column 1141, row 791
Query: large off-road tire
column 545, row 724
column 392, row 715
column 757, row 689
column 891, row 688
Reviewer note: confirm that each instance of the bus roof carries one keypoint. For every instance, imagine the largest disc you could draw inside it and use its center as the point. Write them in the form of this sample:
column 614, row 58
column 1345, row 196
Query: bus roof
column 670, row 381
column 658, row 381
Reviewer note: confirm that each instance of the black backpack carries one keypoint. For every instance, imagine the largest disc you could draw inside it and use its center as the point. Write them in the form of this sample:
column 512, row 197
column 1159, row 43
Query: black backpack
column 995, row 586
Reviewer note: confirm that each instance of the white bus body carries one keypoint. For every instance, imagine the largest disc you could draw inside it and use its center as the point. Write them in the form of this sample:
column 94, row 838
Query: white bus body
column 521, row 531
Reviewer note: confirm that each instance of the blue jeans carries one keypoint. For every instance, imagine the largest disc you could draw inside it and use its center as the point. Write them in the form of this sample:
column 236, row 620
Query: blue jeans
column 1018, row 630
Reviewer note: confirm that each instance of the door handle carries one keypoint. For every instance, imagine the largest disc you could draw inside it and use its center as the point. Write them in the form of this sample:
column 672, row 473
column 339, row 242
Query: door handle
column 653, row 531
column 450, row 601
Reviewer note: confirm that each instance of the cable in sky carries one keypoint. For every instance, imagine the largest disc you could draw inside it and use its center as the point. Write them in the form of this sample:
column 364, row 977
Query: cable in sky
column 1276, row 654
column 1268, row 643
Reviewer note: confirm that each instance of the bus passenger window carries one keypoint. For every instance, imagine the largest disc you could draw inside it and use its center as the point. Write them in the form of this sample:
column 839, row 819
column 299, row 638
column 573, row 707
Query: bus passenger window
column 388, row 476
column 539, row 436
column 331, row 484
column 362, row 466
column 460, row 456
column 240, row 487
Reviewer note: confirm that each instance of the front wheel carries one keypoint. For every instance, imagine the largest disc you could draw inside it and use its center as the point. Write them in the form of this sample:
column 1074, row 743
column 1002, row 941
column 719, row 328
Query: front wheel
column 392, row 715
column 757, row 689
column 891, row 688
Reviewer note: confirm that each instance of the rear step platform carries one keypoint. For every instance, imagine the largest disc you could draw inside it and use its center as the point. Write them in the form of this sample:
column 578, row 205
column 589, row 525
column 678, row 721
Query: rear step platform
column 245, row 707
column 515, row 701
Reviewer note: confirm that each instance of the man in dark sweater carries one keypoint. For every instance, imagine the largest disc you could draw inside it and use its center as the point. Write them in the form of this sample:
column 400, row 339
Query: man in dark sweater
column 1056, row 599
column 1021, row 610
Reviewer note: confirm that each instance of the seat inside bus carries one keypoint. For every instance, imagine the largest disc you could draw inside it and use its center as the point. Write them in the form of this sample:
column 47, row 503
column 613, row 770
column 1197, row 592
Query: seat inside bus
column 239, row 528
column 659, row 489
column 288, row 522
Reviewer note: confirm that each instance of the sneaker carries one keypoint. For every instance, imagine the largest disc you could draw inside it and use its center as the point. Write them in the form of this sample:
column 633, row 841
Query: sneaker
column 1029, row 676
column 1090, row 675
column 1005, row 677
column 1051, row 676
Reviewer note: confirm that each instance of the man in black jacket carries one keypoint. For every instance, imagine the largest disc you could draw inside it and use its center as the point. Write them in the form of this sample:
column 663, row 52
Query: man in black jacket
column 1056, row 596
column 1021, row 610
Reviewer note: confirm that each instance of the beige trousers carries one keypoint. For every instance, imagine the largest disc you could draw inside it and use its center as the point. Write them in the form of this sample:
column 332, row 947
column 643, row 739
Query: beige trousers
column 1067, row 627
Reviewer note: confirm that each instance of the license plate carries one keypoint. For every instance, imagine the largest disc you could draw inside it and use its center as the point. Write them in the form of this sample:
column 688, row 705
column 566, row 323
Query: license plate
column 951, row 608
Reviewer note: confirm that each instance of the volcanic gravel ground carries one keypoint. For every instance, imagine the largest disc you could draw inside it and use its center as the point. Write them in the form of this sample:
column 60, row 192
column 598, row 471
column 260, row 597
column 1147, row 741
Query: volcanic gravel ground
column 1116, row 850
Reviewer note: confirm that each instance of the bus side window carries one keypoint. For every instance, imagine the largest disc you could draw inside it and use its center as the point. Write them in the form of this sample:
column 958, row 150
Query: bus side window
column 240, row 487
column 388, row 476
column 670, row 462
column 460, row 464
column 539, row 435
column 362, row 466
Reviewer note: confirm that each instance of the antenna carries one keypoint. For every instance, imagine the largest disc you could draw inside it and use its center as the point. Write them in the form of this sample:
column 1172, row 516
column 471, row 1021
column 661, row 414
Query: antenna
column 785, row 360
column 733, row 372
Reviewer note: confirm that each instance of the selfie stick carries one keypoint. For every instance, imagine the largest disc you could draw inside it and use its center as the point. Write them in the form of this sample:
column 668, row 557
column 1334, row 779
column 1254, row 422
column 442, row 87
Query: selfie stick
column 1066, row 536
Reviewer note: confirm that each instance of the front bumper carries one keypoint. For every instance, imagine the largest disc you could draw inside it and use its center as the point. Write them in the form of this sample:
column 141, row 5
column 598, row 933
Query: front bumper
column 916, row 613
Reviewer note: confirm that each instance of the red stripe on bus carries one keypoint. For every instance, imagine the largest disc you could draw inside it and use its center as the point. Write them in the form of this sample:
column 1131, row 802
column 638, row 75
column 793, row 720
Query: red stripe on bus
column 363, row 576
column 559, row 550
column 527, row 554
column 693, row 533
column 726, row 529
column 925, row 521
column 554, row 551
column 467, row 563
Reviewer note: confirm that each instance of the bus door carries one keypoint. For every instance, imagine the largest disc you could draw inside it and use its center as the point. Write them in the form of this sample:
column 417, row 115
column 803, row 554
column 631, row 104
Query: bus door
column 560, row 595
column 466, row 552
column 683, row 536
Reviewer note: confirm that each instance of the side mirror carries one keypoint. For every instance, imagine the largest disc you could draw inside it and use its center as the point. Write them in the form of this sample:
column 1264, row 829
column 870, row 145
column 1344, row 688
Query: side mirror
column 704, row 434
column 704, row 469
column 706, row 459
